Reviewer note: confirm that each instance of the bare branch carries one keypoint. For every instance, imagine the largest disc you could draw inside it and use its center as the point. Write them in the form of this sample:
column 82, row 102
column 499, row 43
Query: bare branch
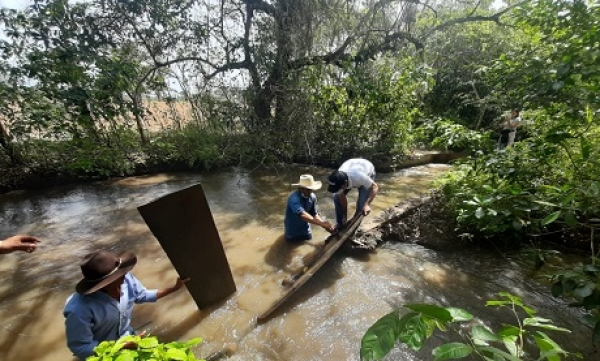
column 246, row 44
column 470, row 19
column 262, row 6
column 228, row 66
column 339, row 55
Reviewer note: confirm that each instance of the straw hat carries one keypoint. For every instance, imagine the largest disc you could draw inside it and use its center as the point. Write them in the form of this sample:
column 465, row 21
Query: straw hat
column 102, row 268
column 307, row 181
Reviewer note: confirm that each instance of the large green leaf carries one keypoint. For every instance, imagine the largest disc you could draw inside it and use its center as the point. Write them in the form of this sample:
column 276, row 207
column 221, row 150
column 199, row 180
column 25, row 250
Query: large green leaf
column 176, row 354
column 414, row 332
column 482, row 335
column 496, row 354
column 382, row 335
column 433, row 311
column 193, row 342
column 584, row 291
column 551, row 218
column 459, row 315
column 549, row 349
column 479, row 213
column 148, row 342
column 571, row 219
column 452, row 351
column 127, row 355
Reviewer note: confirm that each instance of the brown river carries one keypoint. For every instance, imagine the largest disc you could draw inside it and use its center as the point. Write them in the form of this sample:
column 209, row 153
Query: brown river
column 325, row 320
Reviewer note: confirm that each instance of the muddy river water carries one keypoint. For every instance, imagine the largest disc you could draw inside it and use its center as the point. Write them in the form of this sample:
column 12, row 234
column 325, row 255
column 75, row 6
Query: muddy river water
column 325, row 320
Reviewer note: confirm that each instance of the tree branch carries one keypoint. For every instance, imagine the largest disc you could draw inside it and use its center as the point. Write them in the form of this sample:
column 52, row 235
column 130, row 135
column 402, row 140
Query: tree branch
column 246, row 44
column 469, row 19
column 262, row 6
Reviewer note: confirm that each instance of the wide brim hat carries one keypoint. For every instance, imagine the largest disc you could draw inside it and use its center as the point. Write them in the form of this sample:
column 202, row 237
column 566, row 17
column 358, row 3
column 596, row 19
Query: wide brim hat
column 101, row 268
column 307, row 181
column 337, row 179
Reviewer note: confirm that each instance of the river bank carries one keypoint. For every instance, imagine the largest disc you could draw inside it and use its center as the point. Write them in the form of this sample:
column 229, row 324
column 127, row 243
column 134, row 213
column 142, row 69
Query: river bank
column 32, row 177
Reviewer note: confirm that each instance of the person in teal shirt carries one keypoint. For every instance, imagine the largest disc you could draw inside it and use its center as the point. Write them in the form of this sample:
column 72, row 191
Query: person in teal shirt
column 301, row 211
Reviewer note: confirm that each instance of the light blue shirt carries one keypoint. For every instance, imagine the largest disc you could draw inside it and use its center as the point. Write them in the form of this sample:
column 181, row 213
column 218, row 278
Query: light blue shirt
column 91, row 319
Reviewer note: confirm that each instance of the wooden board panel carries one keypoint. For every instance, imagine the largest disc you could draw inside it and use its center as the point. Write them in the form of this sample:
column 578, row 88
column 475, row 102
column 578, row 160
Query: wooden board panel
column 333, row 243
column 183, row 225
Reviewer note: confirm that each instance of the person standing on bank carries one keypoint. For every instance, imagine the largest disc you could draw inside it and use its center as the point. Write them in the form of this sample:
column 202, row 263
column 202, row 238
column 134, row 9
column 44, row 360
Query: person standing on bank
column 509, row 129
column 301, row 211
column 353, row 173
column 101, row 309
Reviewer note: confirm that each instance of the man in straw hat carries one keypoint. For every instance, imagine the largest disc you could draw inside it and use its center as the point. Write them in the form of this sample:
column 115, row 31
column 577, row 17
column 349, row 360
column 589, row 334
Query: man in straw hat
column 101, row 309
column 353, row 173
column 301, row 211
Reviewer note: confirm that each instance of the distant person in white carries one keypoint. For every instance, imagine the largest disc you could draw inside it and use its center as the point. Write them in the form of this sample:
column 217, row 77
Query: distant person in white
column 353, row 173
column 509, row 129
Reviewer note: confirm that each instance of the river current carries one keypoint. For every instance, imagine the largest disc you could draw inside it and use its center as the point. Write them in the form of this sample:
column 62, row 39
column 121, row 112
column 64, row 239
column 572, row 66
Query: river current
column 325, row 320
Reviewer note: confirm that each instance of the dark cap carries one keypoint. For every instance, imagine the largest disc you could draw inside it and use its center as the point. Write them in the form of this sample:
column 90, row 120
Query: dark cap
column 337, row 179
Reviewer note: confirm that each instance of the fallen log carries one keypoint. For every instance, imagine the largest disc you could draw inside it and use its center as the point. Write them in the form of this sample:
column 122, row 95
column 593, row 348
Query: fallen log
column 368, row 239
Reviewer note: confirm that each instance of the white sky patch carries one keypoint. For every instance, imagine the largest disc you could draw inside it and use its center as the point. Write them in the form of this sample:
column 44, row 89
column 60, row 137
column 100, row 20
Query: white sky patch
column 15, row 4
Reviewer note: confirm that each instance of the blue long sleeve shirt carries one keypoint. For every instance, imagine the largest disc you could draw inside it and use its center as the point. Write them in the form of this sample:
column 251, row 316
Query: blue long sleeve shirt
column 91, row 319
column 295, row 226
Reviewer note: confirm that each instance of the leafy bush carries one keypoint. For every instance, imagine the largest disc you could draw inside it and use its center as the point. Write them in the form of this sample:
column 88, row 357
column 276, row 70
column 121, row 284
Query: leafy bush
column 583, row 284
column 445, row 134
column 415, row 327
column 191, row 147
column 86, row 157
column 491, row 194
column 371, row 107
column 148, row 348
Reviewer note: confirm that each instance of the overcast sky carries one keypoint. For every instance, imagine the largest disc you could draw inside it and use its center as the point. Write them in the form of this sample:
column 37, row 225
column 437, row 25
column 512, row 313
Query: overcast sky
column 15, row 4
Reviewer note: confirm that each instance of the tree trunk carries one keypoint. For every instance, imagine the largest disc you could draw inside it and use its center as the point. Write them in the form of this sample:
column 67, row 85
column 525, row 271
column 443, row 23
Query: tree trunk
column 16, row 158
column 137, row 111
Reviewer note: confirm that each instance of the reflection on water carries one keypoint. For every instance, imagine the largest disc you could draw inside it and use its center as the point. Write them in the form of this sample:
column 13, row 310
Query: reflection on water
column 325, row 320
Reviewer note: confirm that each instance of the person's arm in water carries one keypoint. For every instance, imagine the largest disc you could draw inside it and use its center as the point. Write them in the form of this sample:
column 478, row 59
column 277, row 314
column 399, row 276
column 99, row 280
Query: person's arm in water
column 19, row 243
column 317, row 221
column 372, row 193
column 167, row 291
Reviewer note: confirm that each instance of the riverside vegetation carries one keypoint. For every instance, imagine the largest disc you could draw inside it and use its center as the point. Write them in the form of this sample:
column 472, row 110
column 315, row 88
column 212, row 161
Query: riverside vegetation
column 317, row 82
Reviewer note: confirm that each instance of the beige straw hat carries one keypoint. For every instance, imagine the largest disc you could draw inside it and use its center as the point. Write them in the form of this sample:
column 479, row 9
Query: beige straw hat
column 307, row 181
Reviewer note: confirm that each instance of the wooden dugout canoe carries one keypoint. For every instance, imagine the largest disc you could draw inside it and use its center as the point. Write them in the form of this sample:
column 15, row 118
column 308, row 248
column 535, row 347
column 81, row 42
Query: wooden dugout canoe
column 332, row 244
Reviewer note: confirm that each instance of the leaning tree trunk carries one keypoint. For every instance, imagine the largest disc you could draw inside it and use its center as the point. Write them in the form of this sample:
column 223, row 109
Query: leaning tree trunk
column 16, row 158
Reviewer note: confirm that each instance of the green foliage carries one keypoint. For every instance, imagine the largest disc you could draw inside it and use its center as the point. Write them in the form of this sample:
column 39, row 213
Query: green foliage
column 458, row 56
column 548, row 181
column 442, row 134
column 192, row 147
column 560, row 62
column 582, row 283
column 148, row 348
column 86, row 157
column 508, row 343
column 371, row 108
